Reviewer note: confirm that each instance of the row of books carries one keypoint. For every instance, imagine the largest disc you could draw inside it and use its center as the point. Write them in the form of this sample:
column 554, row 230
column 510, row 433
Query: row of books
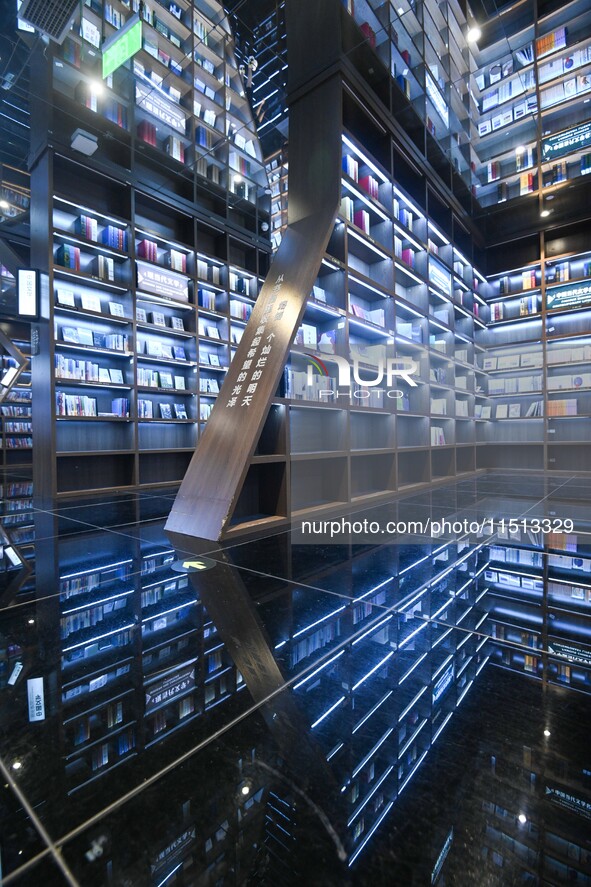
column 562, row 407
column 206, row 299
column 74, row 405
column 208, row 271
column 148, row 378
column 437, row 436
column 527, row 360
column 67, row 298
column 18, row 428
column 519, row 385
column 404, row 252
column 572, row 354
column 528, row 305
column 86, row 371
column 14, row 412
column 208, row 386
column 297, row 387
column 155, row 348
column 569, row 382
column 240, row 310
column 373, row 315
column 146, row 410
column 92, row 339
column 560, row 92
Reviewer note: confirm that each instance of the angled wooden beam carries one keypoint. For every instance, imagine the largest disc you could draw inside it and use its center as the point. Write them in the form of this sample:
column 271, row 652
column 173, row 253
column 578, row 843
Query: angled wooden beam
column 216, row 474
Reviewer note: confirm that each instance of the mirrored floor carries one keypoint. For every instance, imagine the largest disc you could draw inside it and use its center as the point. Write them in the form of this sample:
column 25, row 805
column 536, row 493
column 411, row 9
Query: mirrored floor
column 293, row 710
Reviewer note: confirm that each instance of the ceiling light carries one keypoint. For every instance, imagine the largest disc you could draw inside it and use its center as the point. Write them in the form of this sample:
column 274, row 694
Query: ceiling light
column 245, row 790
column 4, row 204
column 522, row 818
column 544, row 213
column 17, row 765
column 97, row 88
column 474, row 34
column 519, row 149
column 547, row 733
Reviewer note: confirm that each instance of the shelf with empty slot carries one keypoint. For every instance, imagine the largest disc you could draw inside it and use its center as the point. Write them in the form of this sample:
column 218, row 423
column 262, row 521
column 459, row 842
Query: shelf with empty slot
column 165, row 330
column 98, row 315
column 110, row 285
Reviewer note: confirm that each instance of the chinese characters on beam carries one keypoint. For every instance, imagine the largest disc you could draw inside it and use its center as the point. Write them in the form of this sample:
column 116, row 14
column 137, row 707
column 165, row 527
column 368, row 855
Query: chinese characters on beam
column 259, row 350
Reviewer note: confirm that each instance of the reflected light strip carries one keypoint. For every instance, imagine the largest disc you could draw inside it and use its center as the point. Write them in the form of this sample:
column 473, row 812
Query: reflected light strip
column 410, row 671
column 407, row 271
column 412, row 772
column 318, row 622
column 441, row 727
column 97, row 569
column 403, row 197
column 438, row 233
column 372, row 711
column 372, row 629
column 412, row 634
column 371, row 590
column 484, row 618
column 442, row 637
column 104, row 600
column 371, row 794
column 466, row 688
column 412, row 738
column 482, row 664
column 371, row 833
column 99, row 637
column 169, row 876
column 407, row 236
column 172, row 610
column 326, row 713
column 373, row 670
column 371, row 753
column 335, row 751
column 442, row 666
column 317, row 671
column 410, row 704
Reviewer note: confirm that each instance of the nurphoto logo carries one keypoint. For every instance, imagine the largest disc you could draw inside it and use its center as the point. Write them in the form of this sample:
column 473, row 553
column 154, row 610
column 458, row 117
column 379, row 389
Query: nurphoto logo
column 349, row 374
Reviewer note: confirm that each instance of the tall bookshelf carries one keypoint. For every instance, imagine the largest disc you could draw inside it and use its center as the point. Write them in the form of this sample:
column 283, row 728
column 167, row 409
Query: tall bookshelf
column 153, row 271
column 537, row 356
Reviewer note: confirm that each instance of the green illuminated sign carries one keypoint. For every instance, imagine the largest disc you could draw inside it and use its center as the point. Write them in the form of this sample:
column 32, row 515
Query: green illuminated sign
column 576, row 139
column 122, row 46
column 569, row 296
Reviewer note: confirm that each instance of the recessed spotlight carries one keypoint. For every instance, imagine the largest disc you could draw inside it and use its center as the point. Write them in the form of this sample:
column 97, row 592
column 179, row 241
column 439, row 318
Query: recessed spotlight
column 30, row 622
column 519, row 149
column 544, row 213
column 4, row 204
column 547, row 733
column 17, row 765
column 474, row 34
column 245, row 790
column 522, row 818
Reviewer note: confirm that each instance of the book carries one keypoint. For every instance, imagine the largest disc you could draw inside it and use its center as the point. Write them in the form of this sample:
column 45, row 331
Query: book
column 116, row 376
column 179, row 383
column 65, row 298
column 179, row 411
column 70, row 334
column 166, row 380
column 140, row 315
column 177, row 323
column 179, row 352
column 166, row 351
column 157, row 318
column 116, row 309
column 91, row 303
column 165, row 411
column 502, row 411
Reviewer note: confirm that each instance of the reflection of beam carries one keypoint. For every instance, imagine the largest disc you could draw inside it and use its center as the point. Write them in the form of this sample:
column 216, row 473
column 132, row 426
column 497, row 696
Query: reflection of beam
column 231, row 609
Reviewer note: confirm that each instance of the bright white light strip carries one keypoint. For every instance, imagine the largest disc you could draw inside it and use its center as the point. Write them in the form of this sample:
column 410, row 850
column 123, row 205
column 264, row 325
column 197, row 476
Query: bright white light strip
column 96, row 570
column 440, row 325
column 372, row 711
column 373, row 670
column 326, row 713
column 462, row 311
column 407, row 271
column 92, row 212
column 412, row 772
column 368, row 286
column 318, row 622
column 323, row 310
column 406, row 236
column 440, row 610
column 330, row 265
column 211, row 260
column 479, row 275
column 364, row 200
column 382, row 779
column 103, row 600
column 335, row 750
column 371, row 590
column 481, row 595
column 466, row 688
column 438, row 233
column 364, row 158
column 461, row 257
column 483, row 568
column 317, row 671
column 409, row 309
column 417, row 596
column 172, row 610
column 461, row 619
column 441, row 667
column 484, row 618
column 371, row 630
column 412, row 635
column 99, row 637
column 482, row 643
column 282, row 644
column 362, row 240
column 147, row 557
column 365, row 326
column 410, row 704
column 410, row 671
column 403, row 197
column 371, row 833
column 410, row 741
column 441, row 727
column 372, row 752
column 480, row 324
column 439, row 295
